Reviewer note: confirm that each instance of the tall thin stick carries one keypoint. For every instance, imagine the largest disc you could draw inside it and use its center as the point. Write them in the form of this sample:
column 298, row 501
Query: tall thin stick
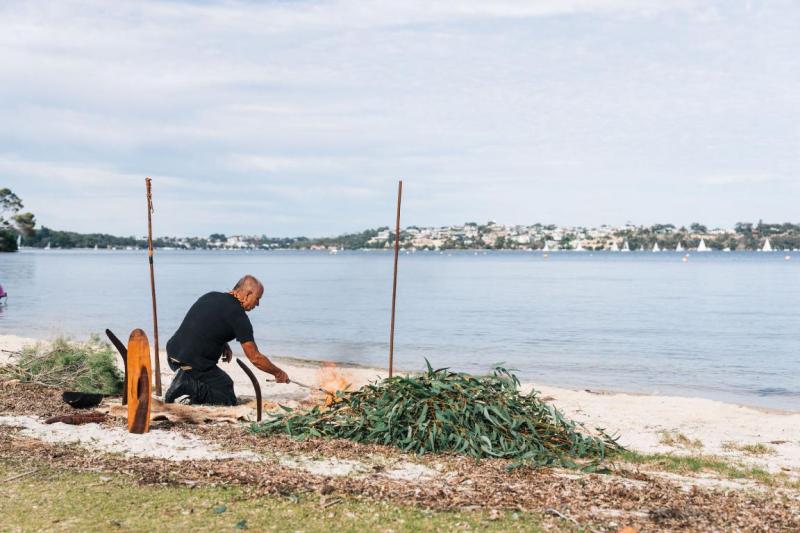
column 394, row 283
column 157, row 366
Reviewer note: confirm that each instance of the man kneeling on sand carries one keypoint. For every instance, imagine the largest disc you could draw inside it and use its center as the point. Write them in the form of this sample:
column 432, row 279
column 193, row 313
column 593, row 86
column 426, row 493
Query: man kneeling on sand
column 202, row 339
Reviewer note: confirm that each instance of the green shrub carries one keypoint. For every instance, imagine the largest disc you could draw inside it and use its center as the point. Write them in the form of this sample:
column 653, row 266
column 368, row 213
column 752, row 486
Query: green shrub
column 8, row 240
column 84, row 367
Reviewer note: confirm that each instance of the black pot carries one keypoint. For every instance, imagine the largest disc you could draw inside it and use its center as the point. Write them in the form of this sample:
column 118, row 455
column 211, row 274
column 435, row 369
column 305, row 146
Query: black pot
column 82, row 400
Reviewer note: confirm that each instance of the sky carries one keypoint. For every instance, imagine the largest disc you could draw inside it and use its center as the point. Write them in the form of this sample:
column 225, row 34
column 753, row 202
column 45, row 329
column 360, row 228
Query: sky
column 298, row 117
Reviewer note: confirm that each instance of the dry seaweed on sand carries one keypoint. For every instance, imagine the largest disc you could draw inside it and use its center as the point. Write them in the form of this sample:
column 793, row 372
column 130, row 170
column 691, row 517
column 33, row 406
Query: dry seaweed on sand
column 441, row 411
column 84, row 367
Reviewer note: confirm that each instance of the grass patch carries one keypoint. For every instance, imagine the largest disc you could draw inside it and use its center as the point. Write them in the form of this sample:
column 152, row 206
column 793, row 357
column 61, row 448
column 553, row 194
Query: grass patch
column 694, row 464
column 679, row 440
column 757, row 449
column 84, row 367
column 62, row 500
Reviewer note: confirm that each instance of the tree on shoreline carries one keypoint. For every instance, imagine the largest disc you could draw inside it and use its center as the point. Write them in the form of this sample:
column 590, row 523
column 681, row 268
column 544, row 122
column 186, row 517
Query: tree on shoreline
column 12, row 222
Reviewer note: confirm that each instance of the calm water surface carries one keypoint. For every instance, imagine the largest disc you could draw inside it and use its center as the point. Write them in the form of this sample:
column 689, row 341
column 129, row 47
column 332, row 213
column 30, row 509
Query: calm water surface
column 721, row 326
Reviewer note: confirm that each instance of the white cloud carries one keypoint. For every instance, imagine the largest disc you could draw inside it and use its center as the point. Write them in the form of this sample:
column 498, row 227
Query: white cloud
column 318, row 107
column 741, row 179
column 80, row 176
column 71, row 175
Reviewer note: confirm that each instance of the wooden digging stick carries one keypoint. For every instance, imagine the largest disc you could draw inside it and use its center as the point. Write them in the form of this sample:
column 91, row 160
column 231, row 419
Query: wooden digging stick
column 394, row 282
column 153, row 283
column 123, row 352
column 256, row 387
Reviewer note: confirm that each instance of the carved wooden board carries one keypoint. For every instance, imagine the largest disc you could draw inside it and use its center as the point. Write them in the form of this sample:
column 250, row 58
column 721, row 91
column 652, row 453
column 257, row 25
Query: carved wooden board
column 139, row 380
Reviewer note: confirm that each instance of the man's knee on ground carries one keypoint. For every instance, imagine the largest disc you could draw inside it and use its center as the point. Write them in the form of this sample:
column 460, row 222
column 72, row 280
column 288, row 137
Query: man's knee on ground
column 216, row 388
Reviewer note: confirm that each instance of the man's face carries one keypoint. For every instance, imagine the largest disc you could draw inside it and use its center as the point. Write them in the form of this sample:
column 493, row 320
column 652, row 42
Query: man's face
column 252, row 299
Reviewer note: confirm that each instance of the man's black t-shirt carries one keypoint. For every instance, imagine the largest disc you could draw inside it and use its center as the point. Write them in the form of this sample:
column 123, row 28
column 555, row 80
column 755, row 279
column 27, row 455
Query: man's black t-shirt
column 214, row 319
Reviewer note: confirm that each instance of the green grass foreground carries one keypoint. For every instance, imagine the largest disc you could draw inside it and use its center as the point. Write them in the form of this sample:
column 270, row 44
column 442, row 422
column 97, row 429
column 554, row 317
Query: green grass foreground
column 722, row 467
column 61, row 500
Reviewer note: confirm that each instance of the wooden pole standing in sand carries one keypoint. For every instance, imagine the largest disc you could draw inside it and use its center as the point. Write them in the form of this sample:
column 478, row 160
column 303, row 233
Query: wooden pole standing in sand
column 157, row 366
column 394, row 283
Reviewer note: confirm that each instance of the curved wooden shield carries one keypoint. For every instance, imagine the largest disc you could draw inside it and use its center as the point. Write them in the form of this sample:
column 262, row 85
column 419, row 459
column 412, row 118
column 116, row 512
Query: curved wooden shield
column 139, row 378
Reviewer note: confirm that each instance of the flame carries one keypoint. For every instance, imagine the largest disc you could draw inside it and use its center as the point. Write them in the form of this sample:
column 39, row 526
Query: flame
column 331, row 380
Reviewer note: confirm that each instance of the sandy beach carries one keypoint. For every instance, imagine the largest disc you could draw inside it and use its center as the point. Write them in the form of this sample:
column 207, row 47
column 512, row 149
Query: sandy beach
column 697, row 465
column 647, row 424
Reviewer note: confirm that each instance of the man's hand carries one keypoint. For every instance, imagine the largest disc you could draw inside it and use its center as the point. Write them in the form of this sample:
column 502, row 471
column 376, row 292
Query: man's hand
column 227, row 353
column 280, row 375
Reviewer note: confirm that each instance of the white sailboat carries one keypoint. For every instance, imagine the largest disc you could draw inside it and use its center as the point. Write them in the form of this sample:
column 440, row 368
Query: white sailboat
column 679, row 248
column 702, row 246
column 641, row 249
column 546, row 248
column 614, row 247
column 48, row 246
column 656, row 248
column 579, row 247
column 625, row 247
column 19, row 241
column 726, row 249
column 767, row 246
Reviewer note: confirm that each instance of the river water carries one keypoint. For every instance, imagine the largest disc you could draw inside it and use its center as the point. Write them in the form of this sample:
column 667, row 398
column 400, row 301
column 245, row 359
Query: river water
column 719, row 325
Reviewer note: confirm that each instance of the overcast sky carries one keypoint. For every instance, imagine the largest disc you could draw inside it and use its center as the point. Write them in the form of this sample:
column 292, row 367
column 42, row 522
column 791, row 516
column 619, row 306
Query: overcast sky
column 295, row 117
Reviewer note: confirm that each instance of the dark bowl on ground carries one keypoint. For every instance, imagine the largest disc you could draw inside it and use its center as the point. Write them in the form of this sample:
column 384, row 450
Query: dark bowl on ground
column 82, row 400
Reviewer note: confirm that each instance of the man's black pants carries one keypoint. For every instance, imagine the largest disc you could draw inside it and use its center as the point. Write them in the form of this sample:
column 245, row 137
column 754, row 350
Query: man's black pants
column 209, row 387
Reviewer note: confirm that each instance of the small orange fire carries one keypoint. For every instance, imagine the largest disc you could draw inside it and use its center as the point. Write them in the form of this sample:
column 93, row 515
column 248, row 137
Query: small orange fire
column 332, row 379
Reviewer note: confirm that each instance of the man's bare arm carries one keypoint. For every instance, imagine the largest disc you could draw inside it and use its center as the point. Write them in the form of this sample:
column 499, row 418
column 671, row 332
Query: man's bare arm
column 262, row 362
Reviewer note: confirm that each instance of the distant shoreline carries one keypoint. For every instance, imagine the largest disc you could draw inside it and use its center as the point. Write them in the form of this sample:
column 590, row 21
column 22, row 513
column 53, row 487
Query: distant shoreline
column 469, row 236
column 466, row 251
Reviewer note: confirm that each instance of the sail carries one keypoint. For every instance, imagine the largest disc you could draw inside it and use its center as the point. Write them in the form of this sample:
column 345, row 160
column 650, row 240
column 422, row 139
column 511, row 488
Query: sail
column 656, row 248
column 625, row 247
column 679, row 248
column 614, row 247
column 578, row 247
column 767, row 246
column 19, row 241
column 546, row 248
column 702, row 246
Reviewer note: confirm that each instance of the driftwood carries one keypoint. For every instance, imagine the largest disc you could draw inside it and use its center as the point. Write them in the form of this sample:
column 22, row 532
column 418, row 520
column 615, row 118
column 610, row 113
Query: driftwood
column 77, row 420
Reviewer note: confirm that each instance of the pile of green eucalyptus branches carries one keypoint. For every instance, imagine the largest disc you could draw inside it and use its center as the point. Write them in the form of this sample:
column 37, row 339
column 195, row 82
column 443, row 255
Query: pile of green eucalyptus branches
column 443, row 411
